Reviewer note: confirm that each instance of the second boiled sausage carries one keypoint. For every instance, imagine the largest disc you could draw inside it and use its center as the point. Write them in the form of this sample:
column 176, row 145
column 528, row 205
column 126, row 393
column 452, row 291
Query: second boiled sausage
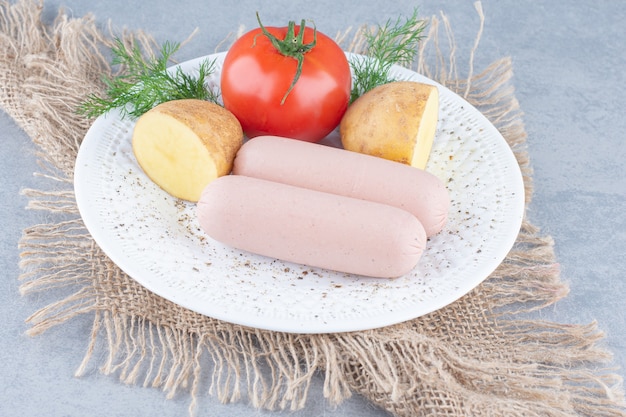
column 311, row 227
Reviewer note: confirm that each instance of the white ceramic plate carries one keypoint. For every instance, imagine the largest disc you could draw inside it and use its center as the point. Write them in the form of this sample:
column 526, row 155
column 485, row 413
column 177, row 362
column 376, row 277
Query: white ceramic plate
column 156, row 239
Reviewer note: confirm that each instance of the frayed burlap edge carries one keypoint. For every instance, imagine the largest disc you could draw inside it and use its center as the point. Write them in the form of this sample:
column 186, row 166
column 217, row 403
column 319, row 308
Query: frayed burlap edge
column 478, row 356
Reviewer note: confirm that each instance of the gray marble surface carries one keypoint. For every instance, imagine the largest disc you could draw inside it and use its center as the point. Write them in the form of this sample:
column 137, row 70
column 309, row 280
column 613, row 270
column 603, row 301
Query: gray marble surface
column 569, row 60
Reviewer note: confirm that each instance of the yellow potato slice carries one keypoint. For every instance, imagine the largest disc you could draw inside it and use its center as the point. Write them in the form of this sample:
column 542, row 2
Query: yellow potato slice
column 183, row 145
column 395, row 121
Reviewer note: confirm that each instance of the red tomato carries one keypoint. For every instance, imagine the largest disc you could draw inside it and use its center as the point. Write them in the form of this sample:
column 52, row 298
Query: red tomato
column 256, row 77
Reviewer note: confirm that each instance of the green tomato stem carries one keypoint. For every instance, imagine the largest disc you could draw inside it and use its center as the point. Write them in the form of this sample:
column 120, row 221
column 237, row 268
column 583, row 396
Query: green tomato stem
column 292, row 46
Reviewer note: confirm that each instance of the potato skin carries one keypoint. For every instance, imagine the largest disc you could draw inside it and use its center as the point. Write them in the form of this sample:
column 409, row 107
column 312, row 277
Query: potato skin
column 384, row 121
column 218, row 128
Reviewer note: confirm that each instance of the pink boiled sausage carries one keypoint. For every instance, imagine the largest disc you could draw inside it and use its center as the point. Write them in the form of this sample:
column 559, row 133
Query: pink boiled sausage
column 352, row 174
column 311, row 227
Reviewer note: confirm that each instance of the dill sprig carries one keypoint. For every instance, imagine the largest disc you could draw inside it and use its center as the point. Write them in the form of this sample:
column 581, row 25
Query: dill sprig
column 144, row 83
column 394, row 43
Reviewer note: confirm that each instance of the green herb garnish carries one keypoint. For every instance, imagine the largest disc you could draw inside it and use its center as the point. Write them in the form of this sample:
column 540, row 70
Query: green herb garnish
column 394, row 43
column 146, row 82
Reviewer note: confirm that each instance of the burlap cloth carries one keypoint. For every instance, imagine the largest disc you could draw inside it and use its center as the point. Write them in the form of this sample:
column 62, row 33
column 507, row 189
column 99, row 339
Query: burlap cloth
column 479, row 356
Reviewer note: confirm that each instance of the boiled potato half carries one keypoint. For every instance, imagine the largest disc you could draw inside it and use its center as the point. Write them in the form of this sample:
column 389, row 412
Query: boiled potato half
column 395, row 121
column 183, row 145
